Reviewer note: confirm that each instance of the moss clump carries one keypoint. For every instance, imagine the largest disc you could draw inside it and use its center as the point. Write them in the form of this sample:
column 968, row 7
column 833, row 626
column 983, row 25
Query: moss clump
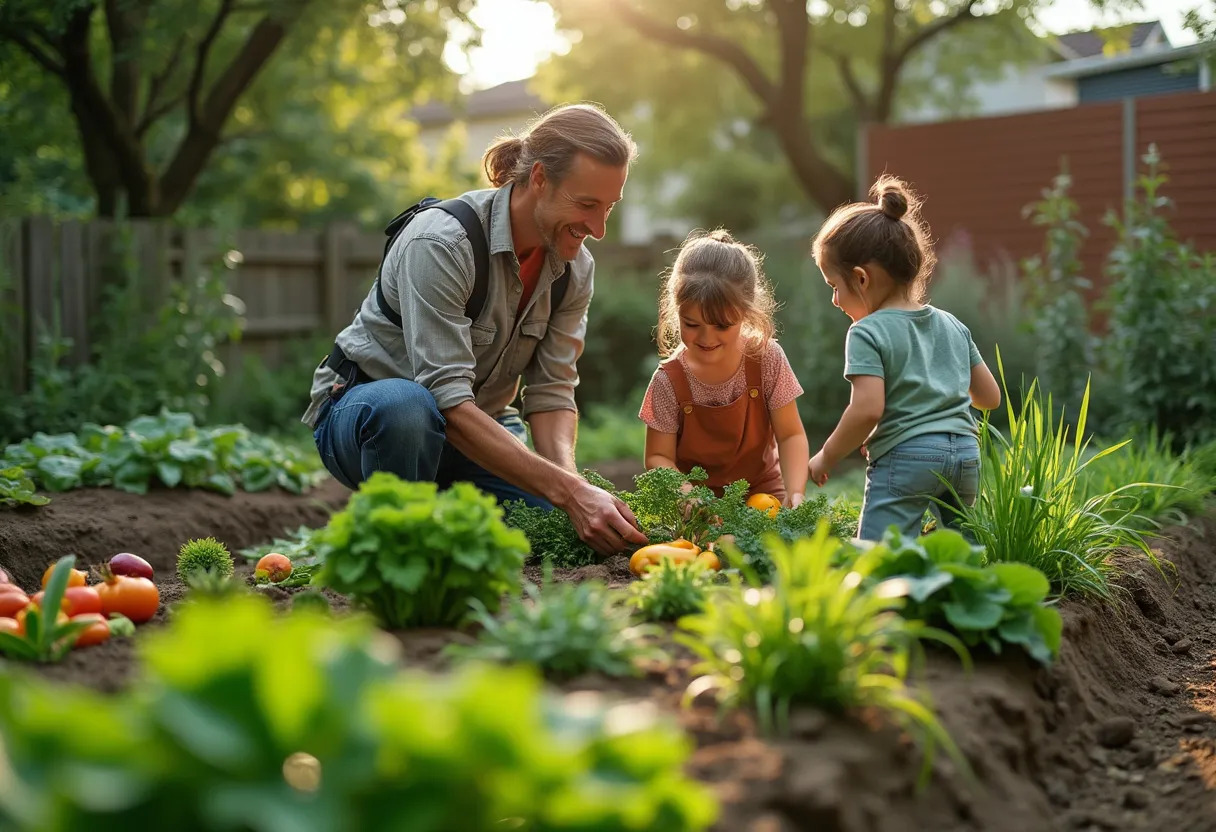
column 203, row 555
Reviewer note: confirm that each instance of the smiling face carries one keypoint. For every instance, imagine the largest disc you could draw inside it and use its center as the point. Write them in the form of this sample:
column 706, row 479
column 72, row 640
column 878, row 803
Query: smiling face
column 568, row 211
column 709, row 343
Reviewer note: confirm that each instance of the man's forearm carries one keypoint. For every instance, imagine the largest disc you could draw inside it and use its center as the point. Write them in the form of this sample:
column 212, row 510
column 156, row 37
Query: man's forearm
column 553, row 436
column 855, row 425
column 490, row 445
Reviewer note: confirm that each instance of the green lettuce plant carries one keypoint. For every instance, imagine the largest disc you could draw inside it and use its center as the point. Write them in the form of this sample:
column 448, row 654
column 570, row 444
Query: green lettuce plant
column 417, row 557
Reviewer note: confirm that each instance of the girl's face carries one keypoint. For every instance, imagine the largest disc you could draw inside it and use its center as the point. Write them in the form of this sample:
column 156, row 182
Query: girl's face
column 844, row 298
column 706, row 342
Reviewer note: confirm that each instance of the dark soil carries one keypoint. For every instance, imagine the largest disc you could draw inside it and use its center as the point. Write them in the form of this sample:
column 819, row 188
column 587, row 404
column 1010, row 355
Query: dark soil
column 1120, row 734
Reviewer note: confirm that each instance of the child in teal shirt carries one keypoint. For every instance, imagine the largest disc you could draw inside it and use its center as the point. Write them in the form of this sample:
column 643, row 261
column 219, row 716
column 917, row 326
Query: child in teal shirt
column 914, row 369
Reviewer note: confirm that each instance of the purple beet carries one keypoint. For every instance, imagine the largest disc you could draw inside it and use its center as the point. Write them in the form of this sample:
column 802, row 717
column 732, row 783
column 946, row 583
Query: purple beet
column 125, row 563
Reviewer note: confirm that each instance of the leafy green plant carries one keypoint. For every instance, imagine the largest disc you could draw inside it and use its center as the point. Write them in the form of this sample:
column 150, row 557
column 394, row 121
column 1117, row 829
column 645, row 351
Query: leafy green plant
column 169, row 449
column 1064, row 347
column 16, row 488
column 321, row 732
column 46, row 638
column 1032, row 507
column 564, row 630
column 610, row 433
column 1163, row 485
column 1162, row 341
column 310, row 599
column 671, row 590
column 416, row 556
column 819, row 635
column 298, row 545
column 204, row 555
column 947, row 584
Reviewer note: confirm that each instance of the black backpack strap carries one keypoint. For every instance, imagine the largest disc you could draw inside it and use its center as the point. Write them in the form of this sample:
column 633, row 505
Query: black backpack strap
column 559, row 291
column 466, row 215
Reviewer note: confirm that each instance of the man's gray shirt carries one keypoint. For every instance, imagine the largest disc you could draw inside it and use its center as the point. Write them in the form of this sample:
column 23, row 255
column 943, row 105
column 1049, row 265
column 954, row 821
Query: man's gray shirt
column 428, row 275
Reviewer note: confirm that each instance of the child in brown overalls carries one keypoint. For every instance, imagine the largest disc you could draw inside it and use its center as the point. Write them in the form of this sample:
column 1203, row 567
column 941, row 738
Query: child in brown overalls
column 724, row 398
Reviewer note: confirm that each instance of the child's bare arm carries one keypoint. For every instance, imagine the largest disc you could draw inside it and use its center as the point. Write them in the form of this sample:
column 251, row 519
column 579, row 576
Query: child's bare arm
column 792, row 449
column 985, row 392
column 660, row 449
column 866, row 406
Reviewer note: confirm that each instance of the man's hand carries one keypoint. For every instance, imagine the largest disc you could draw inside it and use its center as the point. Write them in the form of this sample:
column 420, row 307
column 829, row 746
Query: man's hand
column 820, row 469
column 603, row 521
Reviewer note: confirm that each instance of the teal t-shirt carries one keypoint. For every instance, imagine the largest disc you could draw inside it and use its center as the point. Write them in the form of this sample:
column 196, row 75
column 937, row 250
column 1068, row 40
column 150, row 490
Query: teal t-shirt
column 924, row 357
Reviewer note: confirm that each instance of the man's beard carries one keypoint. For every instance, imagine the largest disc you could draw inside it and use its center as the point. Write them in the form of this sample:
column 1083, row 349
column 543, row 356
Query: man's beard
column 548, row 237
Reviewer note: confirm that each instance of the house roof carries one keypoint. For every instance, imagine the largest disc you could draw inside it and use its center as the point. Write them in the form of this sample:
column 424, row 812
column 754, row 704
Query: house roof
column 1091, row 43
column 511, row 98
column 1099, row 64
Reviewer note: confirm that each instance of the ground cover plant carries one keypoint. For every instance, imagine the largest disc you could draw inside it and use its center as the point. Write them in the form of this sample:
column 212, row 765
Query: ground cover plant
column 819, row 635
column 323, row 732
column 415, row 556
column 168, row 449
column 1032, row 506
column 947, row 584
column 671, row 590
column 669, row 505
column 564, row 629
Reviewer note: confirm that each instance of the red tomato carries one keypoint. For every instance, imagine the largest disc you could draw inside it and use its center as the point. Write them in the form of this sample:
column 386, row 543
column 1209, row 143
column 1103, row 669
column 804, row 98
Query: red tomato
column 136, row 598
column 77, row 600
column 76, row 577
column 12, row 601
column 273, row 567
column 96, row 633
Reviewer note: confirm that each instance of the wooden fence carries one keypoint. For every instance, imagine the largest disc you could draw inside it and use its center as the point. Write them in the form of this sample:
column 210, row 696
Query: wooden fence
column 977, row 175
column 293, row 285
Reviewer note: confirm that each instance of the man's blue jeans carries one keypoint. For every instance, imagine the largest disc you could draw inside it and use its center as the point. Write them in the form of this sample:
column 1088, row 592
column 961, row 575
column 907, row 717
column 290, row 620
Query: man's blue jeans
column 393, row 425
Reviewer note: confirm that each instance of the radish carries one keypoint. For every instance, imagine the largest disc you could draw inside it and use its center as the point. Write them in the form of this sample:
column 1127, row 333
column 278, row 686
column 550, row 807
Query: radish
column 131, row 566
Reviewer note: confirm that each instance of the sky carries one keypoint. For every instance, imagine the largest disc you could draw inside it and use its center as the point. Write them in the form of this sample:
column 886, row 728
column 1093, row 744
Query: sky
column 519, row 34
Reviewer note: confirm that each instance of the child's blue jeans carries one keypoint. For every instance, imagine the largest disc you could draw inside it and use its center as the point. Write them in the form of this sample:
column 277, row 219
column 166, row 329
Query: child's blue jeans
column 901, row 483
column 394, row 425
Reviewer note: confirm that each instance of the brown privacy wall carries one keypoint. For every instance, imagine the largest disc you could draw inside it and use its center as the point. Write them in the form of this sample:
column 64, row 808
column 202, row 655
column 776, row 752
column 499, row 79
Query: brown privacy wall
column 977, row 175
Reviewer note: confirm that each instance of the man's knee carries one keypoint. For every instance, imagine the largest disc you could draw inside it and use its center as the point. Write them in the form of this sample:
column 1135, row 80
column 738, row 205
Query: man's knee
column 401, row 411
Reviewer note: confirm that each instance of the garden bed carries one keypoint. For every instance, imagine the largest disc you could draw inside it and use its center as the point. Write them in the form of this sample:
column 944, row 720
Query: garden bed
column 1035, row 737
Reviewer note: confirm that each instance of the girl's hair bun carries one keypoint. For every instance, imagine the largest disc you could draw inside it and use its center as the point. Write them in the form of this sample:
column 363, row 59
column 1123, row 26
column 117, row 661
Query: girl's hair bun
column 893, row 201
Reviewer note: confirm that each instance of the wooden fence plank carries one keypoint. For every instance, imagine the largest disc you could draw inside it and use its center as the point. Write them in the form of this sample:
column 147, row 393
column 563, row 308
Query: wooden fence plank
column 13, row 317
column 39, row 280
column 72, row 292
column 333, row 272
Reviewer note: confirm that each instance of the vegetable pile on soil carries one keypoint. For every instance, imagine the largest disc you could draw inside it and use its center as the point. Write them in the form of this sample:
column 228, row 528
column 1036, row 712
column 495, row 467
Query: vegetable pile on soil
column 1119, row 734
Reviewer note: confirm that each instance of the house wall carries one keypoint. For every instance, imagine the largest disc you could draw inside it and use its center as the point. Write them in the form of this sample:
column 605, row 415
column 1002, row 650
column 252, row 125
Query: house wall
column 977, row 175
column 1140, row 80
column 1020, row 89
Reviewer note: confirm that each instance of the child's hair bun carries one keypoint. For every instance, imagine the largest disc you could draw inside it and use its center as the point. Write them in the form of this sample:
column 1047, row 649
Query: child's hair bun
column 893, row 201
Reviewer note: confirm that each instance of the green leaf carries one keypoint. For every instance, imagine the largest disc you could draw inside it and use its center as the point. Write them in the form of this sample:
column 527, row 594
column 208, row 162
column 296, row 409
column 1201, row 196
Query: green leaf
column 948, row 546
column 169, row 473
column 133, row 476
column 1025, row 584
column 17, row 647
column 257, row 478
column 59, row 473
column 972, row 609
column 920, row 589
column 222, row 483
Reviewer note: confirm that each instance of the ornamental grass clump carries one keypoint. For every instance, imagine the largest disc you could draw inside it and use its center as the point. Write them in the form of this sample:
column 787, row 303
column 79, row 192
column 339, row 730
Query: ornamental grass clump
column 1033, row 506
column 417, row 557
column 820, row 636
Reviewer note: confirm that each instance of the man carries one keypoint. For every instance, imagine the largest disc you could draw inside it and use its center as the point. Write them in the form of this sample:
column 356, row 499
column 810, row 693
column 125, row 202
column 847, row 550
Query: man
column 429, row 398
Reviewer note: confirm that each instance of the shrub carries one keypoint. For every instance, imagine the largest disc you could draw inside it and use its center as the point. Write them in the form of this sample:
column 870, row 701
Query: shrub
column 321, row 732
column 819, row 635
column 205, row 556
column 671, row 591
column 1162, row 342
column 416, row 556
column 566, row 630
column 1032, row 507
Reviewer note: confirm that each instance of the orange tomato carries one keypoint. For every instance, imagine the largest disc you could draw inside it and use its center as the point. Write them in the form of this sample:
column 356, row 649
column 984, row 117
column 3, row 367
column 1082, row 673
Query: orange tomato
column 76, row 577
column 95, row 633
column 77, row 600
column 62, row 618
column 273, row 567
column 764, row 502
column 10, row 626
column 136, row 598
